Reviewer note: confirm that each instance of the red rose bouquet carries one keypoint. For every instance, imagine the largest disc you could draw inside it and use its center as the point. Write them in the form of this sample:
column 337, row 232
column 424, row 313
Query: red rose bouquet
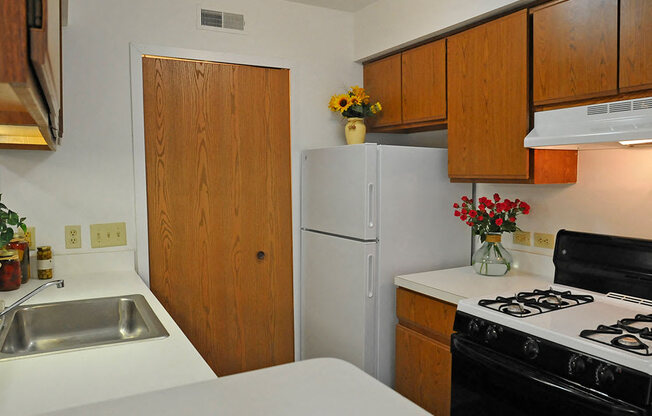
column 490, row 215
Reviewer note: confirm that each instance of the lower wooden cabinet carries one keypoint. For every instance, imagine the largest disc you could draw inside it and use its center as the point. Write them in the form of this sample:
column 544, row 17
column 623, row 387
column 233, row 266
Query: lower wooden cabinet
column 423, row 357
column 423, row 370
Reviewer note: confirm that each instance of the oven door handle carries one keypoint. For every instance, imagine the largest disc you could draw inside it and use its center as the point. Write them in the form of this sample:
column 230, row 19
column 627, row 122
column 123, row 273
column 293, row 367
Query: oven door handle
column 490, row 359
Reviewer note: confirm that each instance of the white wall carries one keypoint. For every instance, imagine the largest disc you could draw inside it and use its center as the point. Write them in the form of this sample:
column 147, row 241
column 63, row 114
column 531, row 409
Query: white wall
column 90, row 178
column 613, row 195
column 387, row 25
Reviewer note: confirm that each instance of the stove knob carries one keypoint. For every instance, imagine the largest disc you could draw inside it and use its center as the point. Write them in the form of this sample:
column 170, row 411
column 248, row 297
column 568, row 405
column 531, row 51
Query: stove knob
column 604, row 375
column 531, row 348
column 576, row 365
column 491, row 334
column 474, row 327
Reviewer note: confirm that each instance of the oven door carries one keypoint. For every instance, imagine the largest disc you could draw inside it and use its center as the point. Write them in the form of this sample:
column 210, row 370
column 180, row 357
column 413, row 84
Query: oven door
column 487, row 383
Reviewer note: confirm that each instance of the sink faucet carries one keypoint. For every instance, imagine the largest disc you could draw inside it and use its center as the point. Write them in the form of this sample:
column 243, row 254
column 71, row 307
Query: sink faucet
column 58, row 283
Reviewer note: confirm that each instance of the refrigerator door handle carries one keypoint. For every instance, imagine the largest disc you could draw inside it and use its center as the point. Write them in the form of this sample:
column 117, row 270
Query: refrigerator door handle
column 371, row 206
column 370, row 276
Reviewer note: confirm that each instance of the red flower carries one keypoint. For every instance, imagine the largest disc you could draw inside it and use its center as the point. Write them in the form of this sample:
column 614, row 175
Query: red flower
column 463, row 217
column 456, row 205
column 473, row 214
column 457, row 213
column 481, row 207
column 489, row 204
column 465, row 198
column 469, row 223
column 496, row 197
column 512, row 219
column 491, row 214
column 480, row 218
column 482, row 199
column 499, row 221
column 526, row 211
column 465, row 211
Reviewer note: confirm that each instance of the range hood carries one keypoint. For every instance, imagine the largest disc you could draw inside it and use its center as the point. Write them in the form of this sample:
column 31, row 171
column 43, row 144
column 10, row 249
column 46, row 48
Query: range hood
column 608, row 125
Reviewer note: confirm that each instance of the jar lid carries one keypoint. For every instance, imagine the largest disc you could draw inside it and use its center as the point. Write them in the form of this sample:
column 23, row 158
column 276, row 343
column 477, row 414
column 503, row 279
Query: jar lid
column 8, row 255
column 44, row 248
column 18, row 240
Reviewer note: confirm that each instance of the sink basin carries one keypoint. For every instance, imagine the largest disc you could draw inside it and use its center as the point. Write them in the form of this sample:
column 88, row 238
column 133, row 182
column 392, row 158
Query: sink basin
column 60, row 326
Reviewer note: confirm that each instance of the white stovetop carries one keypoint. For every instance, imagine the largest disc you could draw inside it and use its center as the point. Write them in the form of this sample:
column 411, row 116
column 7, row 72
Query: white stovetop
column 564, row 326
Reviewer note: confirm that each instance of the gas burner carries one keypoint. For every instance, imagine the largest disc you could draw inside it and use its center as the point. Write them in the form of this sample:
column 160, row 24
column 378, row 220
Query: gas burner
column 538, row 301
column 631, row 334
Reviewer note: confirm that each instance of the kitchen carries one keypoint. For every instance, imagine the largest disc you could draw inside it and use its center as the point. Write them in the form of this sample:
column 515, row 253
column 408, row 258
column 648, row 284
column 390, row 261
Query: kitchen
column 93, row 177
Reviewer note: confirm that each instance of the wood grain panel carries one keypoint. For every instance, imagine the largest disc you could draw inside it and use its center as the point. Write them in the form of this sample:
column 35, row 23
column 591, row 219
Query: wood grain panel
column 575, row 50
column 554, row 166
column 635, row 45
column 218, row 184
column 14, row 65
column 424, row 82
column 423, row 371
column 382, row 80
column 488, row 113
column 425, row 314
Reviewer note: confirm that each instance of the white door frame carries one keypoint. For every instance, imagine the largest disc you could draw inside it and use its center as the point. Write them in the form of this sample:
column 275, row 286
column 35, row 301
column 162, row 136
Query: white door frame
column 138, row 135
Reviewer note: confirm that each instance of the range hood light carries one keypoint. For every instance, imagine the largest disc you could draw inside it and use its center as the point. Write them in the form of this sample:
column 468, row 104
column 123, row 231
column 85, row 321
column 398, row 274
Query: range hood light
column 635, row 142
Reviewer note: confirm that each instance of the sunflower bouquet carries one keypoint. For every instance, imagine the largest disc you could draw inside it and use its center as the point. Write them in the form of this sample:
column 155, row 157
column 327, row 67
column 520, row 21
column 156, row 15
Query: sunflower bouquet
column 354, row 103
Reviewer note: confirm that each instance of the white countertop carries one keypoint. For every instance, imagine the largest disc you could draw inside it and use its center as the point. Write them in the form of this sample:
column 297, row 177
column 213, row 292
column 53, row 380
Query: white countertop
column 324, row 386
column 453, row 285
column 36, row 384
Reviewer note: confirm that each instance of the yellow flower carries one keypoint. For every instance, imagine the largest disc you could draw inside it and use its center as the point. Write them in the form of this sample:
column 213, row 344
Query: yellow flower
column 376, row 108
column 341, row 102
column 332, row 103
column 355, row 100
column 360, row 93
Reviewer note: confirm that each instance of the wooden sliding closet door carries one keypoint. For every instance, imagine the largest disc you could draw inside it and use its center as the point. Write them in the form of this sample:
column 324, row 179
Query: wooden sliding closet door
column 217, row 142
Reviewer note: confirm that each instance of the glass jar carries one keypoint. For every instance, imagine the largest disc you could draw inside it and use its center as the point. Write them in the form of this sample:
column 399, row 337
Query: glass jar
column 44, row 265
column 21, row 246
column 10, row 273
column 492, row 259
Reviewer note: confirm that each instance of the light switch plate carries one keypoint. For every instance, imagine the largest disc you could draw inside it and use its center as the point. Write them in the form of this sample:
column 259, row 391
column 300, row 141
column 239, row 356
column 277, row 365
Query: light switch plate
column 544, row 240
column 522, row 238
column 108, row 235
column 73, row 236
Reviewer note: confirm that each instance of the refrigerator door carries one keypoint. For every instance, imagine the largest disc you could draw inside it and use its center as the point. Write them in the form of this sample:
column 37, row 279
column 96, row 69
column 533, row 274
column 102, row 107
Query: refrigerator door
column 339, row 191
column 418, row 231
column 338, row 302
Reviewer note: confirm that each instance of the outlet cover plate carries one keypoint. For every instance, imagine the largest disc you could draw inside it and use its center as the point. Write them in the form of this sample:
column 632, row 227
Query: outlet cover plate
column 544, row 240
column 73, row 236
column 522, row 238
column 30, row 234
column 108, row 235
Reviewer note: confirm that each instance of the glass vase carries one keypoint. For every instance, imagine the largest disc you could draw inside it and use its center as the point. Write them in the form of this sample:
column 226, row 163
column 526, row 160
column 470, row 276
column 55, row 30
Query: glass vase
column 492, row 259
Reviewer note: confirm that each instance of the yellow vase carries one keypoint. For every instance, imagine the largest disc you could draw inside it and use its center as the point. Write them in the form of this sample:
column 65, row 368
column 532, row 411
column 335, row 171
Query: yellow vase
column 355, row 130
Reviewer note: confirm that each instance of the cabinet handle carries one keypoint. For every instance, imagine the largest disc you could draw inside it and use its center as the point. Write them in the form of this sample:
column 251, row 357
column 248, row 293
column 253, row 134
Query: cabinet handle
column 372, row 205
column 260, row 255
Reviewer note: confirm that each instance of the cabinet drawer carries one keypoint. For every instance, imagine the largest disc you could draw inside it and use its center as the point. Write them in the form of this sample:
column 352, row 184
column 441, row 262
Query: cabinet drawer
column 425, row 314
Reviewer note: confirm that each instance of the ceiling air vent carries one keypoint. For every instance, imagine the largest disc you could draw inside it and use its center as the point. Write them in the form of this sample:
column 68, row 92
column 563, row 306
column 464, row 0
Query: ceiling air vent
column 620, row 106
column 594, row 110
column 222, row 21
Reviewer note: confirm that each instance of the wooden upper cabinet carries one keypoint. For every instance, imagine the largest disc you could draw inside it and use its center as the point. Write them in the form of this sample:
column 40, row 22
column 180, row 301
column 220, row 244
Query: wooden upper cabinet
column 30, row 74
column 382, row 80
column 488, row 113
column 635, row 45
column 575, row 50
column 424, row 82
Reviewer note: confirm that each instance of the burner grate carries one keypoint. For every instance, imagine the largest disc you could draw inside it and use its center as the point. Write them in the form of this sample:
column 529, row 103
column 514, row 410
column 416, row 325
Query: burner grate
column 524, row 304
column 630, row 334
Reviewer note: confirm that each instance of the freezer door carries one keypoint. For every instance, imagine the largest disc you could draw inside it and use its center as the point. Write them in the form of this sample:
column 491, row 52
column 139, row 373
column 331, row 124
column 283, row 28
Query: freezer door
column 339, row 192
column 338, row 302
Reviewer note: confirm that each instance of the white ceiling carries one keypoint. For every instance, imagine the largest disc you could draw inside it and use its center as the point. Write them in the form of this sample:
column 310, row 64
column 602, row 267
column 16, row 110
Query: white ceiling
column 345, row 5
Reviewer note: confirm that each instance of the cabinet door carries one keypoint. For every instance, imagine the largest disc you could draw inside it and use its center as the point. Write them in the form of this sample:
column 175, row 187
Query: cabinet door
column 635, row 44
column 488, row 114
column 423, row 371
column 424, row 82
column 575, row 50
column 382, row 80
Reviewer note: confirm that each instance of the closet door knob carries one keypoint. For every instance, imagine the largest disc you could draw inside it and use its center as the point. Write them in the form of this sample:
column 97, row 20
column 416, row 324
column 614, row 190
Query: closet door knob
column 260, row 255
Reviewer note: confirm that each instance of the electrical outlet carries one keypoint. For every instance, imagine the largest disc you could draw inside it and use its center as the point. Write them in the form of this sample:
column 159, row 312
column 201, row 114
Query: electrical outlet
column 30, row 235
column 544, row 240
column 108, row 235
column 73, row 236
column 521, row 237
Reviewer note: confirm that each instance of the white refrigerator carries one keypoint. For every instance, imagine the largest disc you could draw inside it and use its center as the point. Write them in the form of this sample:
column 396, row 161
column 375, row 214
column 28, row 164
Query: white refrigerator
column 369, row 213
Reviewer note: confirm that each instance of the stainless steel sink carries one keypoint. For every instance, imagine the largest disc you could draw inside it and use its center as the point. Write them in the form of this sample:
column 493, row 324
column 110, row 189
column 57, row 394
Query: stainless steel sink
column 50, row 327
